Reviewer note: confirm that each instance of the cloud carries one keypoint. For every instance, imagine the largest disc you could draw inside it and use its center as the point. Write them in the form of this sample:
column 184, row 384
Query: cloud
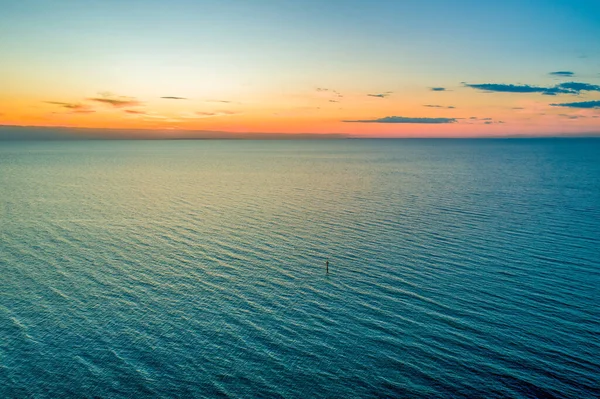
column 572, row 116
column 402, row 119
column 326, row 90
column 485, row 121
column 76, row 108
column 580, row 104
column 561, row 88
column 218, row 101
column 381, row 95
column 116, row 101
column 133, row 111
column 439, row 106
column 216, row 113
column 437, row 89
column 68, row 105
column 333, row 101
column 510, row 88
column 577, row 87
column 173, row 98
column 562, row 73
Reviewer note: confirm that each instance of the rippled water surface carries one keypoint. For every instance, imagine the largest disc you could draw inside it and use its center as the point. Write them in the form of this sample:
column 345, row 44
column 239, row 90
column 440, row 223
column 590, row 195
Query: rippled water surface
column 197, row 269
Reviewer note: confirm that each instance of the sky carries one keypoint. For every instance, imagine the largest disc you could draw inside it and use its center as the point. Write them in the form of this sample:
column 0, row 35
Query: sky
column 366, row 68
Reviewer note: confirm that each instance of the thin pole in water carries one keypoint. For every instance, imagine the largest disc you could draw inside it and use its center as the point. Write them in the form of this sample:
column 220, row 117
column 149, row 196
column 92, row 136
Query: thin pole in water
column 327, row 266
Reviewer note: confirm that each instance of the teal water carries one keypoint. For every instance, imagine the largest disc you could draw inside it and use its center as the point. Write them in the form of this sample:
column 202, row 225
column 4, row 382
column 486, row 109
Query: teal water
column 458, row 268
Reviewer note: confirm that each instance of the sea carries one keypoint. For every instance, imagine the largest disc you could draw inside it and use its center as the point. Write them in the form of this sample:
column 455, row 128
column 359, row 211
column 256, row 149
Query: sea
column 197, row 269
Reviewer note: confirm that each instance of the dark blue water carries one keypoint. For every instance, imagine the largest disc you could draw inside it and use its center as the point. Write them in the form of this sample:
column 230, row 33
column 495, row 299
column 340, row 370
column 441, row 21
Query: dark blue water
column 196, row 269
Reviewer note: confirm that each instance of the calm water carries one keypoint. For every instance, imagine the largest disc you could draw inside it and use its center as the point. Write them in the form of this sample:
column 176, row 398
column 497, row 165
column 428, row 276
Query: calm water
column 191, row 269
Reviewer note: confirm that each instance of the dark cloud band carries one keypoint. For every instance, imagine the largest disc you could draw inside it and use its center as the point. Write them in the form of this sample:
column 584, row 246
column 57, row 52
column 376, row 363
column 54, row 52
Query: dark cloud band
column 563, row 73
column 580, row 104
column 402, row 119
column 562, row 88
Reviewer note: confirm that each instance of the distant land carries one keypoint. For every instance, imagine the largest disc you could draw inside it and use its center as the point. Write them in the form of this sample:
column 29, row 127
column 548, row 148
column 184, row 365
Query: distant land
column 23, row 133
column 10, row 132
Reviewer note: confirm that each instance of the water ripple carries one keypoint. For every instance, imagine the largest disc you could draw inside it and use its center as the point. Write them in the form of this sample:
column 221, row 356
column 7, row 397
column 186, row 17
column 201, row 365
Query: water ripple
column 165, row 269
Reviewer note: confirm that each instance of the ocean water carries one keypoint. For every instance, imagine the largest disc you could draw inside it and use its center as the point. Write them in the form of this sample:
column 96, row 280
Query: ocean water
column 184, row 269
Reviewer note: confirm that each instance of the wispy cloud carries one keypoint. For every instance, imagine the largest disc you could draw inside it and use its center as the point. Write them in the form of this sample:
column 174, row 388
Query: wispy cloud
column 67, row 105
column 486, row 121
column 75, row 108
column 218, row 101
column 580, row 104
column 572, row 116
column 439, row 106
column 133, row 111
column 561, row 88
column 203, row 114
column 562, row 73
column 116, row 101
column 173, row 98
column 335, row 93
column 403, row 119
column 437, row 89
column 381, row 95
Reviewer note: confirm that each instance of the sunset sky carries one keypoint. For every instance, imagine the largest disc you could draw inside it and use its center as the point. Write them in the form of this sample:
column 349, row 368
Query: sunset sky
column 379, row 68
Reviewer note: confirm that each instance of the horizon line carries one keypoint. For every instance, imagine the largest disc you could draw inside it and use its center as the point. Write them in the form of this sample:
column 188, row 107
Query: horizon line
column 69, row 133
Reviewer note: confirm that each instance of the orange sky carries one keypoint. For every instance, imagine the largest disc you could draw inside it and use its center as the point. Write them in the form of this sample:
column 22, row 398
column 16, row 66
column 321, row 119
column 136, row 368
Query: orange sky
column 310, row 111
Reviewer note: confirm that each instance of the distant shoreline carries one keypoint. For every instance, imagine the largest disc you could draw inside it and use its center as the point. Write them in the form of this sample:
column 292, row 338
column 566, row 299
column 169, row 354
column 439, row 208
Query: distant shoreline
column 47, row 133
